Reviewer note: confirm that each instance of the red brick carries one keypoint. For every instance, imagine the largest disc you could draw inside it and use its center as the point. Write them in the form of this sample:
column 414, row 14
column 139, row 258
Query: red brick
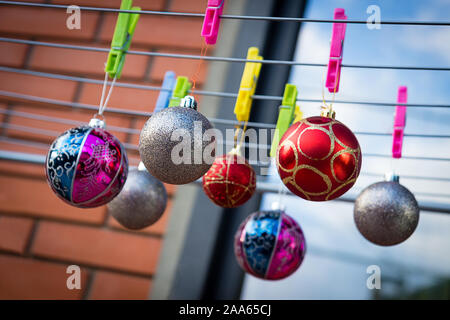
column 158, row 228
column 161, row 31
column 37, row 86
column 22, row 278
column 12, row 54
column 45, row 22
column 14, row 233
column 26, row 170
column 115, row 286
column 85, row 63
column 181, row 67
column 34, row 198
column 97, row 247
column 144, row 4
column 196, row 6
column 123, row 98
column 25, row 147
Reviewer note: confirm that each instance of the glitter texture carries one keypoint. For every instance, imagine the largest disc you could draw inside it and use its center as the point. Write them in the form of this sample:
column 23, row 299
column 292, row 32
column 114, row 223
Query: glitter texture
column 174, row 130
column 230, row 182
column 386, row 213
column 270, row 245
column 141, row 202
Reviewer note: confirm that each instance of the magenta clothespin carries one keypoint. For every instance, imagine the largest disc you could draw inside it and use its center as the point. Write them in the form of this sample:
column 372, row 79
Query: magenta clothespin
column 211, row 23
column 336, row 51
column 399, row 123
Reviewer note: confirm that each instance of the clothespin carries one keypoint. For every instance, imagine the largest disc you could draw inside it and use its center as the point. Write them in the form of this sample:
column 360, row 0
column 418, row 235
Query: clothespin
column 285, row 115
column 166, row 91
column 399, row 123
column 336, row 51
column 298, row 114
column 248, row 85
column 125, row 26
column 182, row 87
column 211, row 22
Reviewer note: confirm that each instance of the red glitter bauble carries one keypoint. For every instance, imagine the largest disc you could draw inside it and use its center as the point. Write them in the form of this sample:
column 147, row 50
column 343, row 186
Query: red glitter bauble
column 319, row 158
column 230, row 181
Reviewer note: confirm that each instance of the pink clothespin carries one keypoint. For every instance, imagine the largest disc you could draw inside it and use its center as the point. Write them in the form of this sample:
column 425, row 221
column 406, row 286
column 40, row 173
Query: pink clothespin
column 399, row 123
column 211, row 23
column 336, row 51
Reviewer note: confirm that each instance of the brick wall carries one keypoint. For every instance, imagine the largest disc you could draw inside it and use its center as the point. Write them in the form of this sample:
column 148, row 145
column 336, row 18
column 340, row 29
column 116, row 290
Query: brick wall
column 39, row 234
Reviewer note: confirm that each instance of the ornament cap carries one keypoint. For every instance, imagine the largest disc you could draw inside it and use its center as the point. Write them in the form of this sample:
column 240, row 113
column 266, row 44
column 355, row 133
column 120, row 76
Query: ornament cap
column 390, row 176
column 328, row 113
column 97, row 123
column 188, row 102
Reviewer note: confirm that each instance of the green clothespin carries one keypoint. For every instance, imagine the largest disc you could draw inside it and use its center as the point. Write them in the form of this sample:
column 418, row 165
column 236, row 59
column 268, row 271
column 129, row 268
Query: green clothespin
column 285, row 115
column 126, row 23
column 182, row 86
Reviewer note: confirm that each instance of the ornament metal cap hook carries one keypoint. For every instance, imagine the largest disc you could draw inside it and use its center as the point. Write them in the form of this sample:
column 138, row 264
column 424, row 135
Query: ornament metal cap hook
column 97, row 123
column 390, row 176
column 328, row 112
column 188, row 102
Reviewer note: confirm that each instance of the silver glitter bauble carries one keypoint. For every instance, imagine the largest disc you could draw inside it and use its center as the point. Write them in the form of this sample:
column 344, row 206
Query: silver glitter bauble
column 174, row 147
column 141, row 202
column 386, row 213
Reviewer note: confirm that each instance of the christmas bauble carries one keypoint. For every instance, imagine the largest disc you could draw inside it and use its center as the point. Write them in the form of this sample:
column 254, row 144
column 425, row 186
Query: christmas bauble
column 318, row 158
column 174, row 147
column 230, row 181
column 141, row 202
column 86, row 166
column 386, row 213
column 269, row 245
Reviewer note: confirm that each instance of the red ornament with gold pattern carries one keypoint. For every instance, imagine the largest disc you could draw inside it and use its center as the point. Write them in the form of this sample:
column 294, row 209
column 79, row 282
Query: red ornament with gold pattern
column 231, row 181
column 319, row 158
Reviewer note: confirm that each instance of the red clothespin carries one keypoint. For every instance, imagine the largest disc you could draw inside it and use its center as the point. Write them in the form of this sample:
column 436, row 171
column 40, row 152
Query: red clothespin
column 336, row 51
column 399, row 123
column 211, row 23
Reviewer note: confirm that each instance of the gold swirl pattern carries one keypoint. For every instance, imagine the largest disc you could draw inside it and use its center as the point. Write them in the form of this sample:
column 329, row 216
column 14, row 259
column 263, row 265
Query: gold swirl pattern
column 325, row 174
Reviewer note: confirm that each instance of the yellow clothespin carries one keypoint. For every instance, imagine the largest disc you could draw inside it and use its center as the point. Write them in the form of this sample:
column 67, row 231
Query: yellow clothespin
column 298, row 114
column 285, row 115
column 123, row 33
column 248, row 85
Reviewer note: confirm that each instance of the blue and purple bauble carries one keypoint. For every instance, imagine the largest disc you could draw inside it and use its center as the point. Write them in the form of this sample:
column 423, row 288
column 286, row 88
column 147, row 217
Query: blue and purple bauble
column 87, row 166
column 270, row 245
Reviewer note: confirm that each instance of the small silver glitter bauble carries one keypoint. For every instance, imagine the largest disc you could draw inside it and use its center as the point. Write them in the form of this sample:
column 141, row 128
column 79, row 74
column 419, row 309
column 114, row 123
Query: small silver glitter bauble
column 174, row 147
column 386, row 213
column 141, row 202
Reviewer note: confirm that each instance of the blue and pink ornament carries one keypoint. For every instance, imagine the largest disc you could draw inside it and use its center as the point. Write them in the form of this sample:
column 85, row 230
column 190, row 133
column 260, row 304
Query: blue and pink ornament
column 269, row 245
column 87, row 166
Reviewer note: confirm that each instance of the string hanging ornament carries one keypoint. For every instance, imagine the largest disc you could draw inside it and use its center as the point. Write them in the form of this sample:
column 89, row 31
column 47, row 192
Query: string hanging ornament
column 387, row 213
column 87, row 166
column 319, row 158
column 231, row 180
column 177, row 144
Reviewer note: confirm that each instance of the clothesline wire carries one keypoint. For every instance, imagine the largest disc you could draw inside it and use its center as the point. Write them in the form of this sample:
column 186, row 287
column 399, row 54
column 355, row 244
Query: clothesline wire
column 148, row 114
column 213, row 58
column 42, row 131
column 204, row 92
column 227, row 16
column 39, row 117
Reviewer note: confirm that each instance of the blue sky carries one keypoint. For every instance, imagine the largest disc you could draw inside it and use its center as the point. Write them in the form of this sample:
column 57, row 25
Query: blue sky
column 329, row 226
